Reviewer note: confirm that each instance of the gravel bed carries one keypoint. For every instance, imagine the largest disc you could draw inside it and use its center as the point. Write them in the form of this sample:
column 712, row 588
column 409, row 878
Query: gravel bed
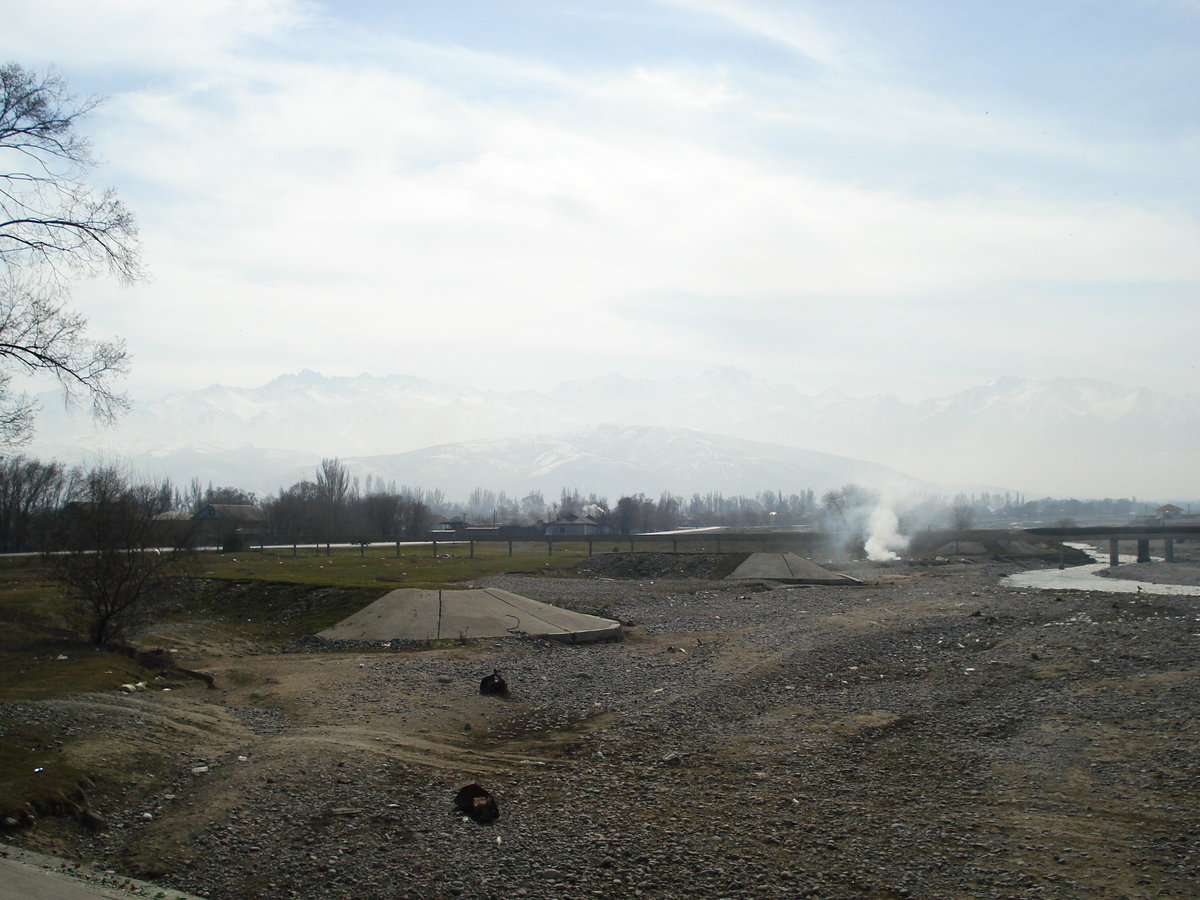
column 936, row 737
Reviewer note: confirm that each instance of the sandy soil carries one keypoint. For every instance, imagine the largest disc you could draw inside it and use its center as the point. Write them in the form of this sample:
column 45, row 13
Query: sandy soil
column 931, row 733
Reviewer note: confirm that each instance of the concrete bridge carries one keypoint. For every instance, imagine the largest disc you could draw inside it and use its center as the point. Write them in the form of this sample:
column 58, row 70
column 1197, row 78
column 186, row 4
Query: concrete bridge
column 1143, row 534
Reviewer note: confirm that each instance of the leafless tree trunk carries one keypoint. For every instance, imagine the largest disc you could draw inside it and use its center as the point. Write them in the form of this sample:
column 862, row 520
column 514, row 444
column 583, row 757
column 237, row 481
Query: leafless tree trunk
column 53, row 226
column 111, row 555
column 28, row 489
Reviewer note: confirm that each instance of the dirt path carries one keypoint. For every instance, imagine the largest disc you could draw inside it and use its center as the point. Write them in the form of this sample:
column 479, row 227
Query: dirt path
column 929, row 734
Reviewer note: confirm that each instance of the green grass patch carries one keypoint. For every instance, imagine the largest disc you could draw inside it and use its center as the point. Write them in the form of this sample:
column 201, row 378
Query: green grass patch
column 29, row 602
column 49, row 667
column 35, row 777
column 271, row 595
column 268, row 611
column 40, row 655
column 376, row 566
column 275, row 595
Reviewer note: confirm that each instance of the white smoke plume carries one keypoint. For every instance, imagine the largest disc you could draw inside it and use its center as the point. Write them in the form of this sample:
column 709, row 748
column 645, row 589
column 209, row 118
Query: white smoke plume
column 867, row 518
column 883, row 535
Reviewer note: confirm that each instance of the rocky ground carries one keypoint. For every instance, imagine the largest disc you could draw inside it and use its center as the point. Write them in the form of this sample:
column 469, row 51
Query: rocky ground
column 929, row 734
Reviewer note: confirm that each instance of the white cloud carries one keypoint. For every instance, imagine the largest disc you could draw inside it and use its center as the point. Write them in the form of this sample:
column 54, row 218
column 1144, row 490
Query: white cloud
column 671, row 88
column 145, row 34
column 335, row 210
column 780, row 22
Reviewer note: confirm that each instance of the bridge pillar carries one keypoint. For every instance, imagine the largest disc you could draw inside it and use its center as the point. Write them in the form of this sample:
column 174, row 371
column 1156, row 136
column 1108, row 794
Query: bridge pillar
column 1114, row 552
column 1169, row 550
column 1143, row 551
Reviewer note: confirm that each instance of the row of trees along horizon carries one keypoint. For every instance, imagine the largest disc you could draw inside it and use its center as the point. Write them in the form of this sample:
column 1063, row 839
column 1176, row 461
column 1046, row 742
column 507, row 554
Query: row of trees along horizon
column 333, row 505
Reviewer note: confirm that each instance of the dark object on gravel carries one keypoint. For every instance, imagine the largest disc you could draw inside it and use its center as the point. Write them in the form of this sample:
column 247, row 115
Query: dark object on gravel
column 494, row 685
column 472, row 800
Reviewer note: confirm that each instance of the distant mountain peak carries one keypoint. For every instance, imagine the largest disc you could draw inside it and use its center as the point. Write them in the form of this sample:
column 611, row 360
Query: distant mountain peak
column 1062, row 436
column 727, row 374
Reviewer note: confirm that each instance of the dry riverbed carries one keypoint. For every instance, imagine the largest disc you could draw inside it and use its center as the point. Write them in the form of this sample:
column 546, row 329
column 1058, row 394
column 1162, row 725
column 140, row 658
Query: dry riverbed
column 931, row 733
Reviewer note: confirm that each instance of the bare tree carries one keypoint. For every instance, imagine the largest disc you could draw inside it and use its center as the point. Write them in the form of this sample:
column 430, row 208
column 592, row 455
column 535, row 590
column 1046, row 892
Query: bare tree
column 846, row 511
column 962, row 517
column 666, row 513
column 625, row 519
column 413, row 516
column 294, row 512
column 48, row 213
column 29, row 489
column 845, row 507
column 481, row 504
column 232, row 496
column 533, row 506
column 111, row 554
column 333, row 490
column 53, row 226
column 193, row 497
column 569, row 502
column 379, row 512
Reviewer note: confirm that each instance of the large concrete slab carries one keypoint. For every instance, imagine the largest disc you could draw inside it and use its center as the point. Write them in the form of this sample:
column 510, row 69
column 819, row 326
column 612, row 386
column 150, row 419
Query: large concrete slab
column 789, row 568
column 426, row 615
column 33, row 876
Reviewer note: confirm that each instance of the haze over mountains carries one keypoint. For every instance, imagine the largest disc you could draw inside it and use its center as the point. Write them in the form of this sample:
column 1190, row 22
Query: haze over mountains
column 721, row 431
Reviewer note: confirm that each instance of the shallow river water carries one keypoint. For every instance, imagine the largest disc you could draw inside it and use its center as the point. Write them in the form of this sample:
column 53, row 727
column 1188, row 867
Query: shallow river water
column 1084, row 578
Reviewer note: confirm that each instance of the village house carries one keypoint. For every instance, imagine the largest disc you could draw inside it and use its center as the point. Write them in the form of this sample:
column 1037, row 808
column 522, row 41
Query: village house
column 230, row 526
column 572, row 524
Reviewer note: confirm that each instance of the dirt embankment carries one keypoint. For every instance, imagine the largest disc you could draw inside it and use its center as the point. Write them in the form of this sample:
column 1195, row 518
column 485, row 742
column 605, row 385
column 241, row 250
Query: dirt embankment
column 932, row 733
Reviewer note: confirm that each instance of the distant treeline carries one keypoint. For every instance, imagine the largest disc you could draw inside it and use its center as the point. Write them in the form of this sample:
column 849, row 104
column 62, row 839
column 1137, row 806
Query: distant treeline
column 336, row 505
column 1017, row 508
column 334, row 502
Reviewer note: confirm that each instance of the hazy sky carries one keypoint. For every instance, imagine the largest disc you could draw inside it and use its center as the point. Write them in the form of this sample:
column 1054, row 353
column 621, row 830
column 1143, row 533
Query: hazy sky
column 908, row 197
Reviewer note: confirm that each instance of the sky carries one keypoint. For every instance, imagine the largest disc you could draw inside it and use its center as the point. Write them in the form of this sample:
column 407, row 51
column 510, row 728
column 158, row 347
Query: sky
column 886, row 197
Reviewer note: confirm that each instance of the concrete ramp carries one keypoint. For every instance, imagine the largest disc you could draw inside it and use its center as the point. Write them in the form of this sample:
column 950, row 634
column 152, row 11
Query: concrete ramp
column 422, row 615
column 788, row 568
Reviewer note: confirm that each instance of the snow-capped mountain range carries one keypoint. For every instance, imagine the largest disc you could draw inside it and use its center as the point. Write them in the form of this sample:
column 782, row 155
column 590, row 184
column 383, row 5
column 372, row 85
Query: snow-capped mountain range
column 722, row 431
column 612, row 460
